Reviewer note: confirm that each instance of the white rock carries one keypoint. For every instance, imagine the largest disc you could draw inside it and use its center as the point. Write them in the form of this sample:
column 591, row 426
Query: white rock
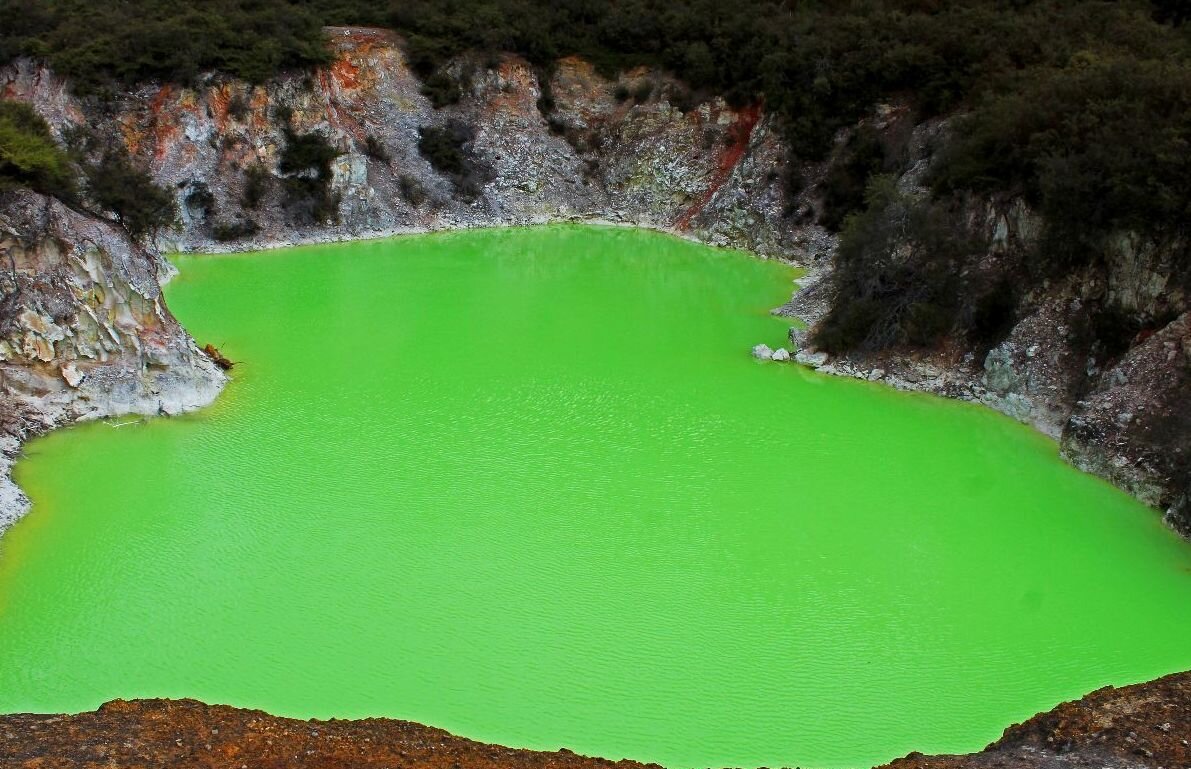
column 781, row 354
column 762, row 352
column 72, row 375
column 815, row 359
column 875, row 374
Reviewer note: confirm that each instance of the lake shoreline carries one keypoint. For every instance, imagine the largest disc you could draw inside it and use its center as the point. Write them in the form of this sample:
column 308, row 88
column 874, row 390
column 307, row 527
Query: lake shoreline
column 1143, row 725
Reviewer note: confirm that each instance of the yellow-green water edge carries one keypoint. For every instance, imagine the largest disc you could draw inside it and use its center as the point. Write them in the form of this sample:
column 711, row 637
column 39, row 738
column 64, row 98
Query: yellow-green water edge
column 529, row 486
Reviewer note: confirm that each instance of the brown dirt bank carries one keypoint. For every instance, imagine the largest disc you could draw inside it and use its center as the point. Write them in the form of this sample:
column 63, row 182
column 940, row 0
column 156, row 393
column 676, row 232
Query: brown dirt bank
column 1145, row 725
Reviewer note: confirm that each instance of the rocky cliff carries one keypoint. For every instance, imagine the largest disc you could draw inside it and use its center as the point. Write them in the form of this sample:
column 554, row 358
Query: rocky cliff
column 707, row 170
column 1119, row 413
column 1147, row 725
column 84, row 333
column 532, row 146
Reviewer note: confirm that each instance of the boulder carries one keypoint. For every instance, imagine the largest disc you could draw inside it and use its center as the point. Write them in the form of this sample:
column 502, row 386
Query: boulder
column 762, row 352
column 781, row 354
column 815, row 359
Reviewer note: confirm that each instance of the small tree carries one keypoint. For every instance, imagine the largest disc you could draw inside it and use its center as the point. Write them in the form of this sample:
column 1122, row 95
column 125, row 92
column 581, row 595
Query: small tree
column 114, row 184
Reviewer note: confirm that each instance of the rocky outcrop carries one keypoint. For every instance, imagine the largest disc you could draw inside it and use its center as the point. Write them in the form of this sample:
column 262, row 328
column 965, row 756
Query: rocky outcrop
column 94, row 339
column 84, row 332
column 706, row 170
column 1147, row 725
column 1122, row 416
column 578, row 146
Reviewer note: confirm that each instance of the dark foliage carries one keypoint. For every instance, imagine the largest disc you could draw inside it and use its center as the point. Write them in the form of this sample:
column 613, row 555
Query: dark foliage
column 200, row 200
column 441, row 89
column 412, row 190
column 897, row 276
column 240, row 228
column 114, row 184
column 446, row 149
column 237, row 107
column 1098, row 147
column 374, row 149
column 101, row 44
column 306, row 163
column 257, row 180
column 844, row 185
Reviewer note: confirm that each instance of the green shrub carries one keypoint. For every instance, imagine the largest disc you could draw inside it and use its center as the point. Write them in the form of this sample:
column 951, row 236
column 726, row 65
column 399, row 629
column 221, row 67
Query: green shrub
column 441, row 89
column 115, row 184
column 29, row 156
column 897, row 273
column 1097, row 147
column 257, row 180
column 412, row 190
column 306, row 163
column 240, row 228
column 445, row 147
column 99, row 45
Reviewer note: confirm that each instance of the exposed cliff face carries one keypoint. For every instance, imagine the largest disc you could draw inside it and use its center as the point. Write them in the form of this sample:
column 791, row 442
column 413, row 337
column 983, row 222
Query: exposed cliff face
column 1147, row 725
column 84, row 333
column 94, row 339
column 709, row 172
column 1119, row 414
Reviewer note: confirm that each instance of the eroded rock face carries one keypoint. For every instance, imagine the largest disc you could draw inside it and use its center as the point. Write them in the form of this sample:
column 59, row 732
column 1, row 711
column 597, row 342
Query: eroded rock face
column 87, row 334
column 84, row 332
column 1122, row 417
column 706, row 171
column 709, row 172
column 1146, row 725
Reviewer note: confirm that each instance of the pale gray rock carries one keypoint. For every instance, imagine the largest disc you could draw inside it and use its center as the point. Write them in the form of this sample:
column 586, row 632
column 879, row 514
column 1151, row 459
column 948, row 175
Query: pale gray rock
column 762, row 352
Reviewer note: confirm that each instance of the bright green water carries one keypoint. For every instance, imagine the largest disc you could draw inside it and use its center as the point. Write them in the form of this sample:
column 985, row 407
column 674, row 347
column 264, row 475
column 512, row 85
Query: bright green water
column 529, row 486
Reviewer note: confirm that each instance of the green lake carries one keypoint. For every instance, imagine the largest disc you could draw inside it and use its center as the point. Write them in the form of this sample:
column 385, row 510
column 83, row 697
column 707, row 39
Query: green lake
column 528, row 485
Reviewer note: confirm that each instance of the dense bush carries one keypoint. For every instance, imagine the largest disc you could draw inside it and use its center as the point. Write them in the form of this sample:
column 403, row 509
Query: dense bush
column 897, row 276
column 115, row 184
column 29, row 156
column 306, row 162
column 1098, row 147
column 100, row 44
column 412, row 190
column 256, row 185
column 446, row 149
column 844, row 186
column 240, row 228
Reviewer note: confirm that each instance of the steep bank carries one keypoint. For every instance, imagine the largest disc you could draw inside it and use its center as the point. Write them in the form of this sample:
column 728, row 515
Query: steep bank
column 1146, row 725
column 1099, row 358
column 521, row 146
column 84, row 333
column 707, row 173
